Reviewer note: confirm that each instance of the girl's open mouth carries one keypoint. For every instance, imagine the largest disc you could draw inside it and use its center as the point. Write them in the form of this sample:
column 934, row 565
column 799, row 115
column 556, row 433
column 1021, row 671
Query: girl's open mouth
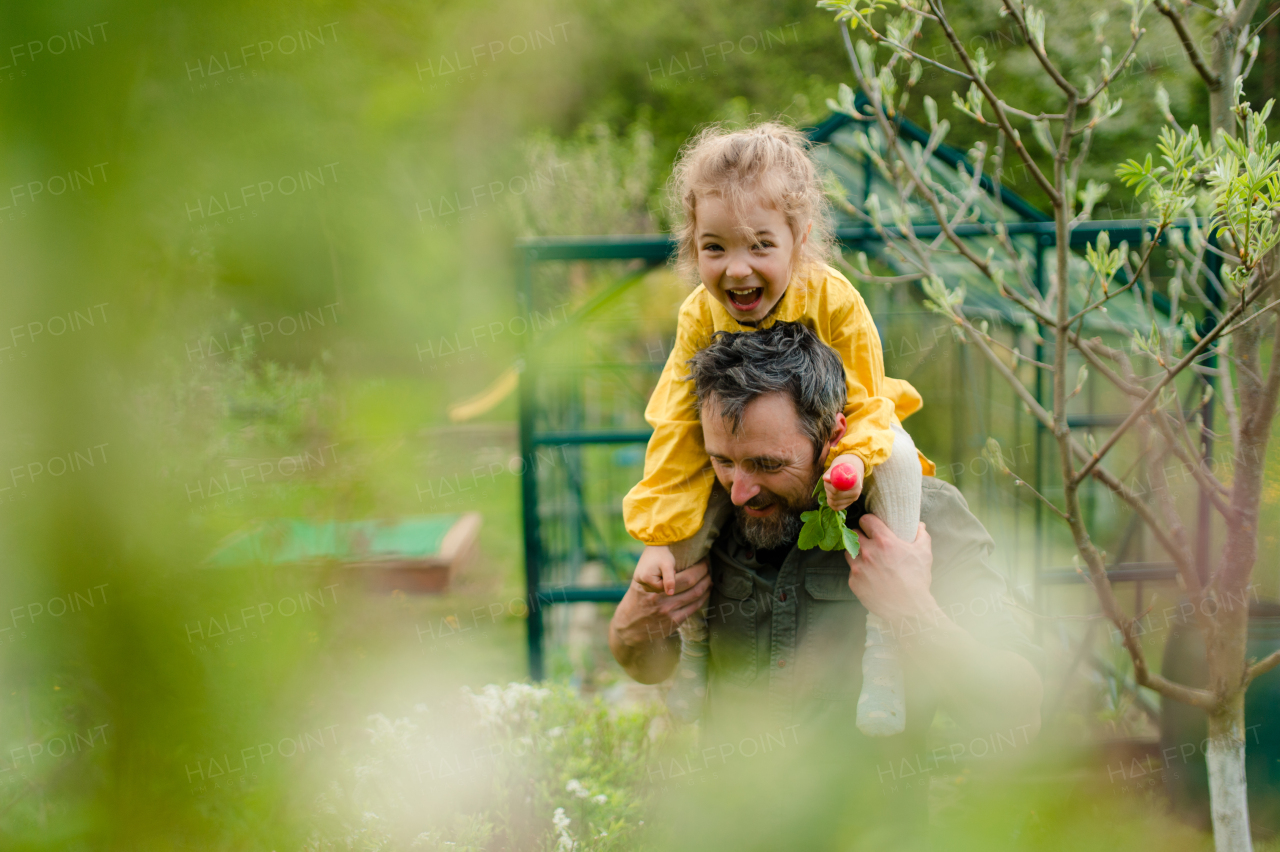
column 746, row 300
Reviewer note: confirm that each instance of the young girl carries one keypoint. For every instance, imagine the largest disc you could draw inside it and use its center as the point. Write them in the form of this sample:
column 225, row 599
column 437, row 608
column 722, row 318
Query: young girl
column 756, row 230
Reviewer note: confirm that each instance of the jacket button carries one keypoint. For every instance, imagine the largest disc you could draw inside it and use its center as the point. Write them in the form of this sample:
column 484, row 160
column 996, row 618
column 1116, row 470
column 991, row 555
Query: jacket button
column 782, row 664
column 751, row 554
column 782, row 597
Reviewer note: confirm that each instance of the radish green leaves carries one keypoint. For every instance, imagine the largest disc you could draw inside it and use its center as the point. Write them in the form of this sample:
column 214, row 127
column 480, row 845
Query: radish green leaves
column 824, row 527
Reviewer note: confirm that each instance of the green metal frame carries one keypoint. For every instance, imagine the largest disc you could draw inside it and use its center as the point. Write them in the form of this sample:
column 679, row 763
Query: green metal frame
column 655, row 249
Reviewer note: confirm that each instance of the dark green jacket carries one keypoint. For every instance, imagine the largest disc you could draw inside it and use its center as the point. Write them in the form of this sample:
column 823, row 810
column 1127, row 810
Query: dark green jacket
column 786, row 657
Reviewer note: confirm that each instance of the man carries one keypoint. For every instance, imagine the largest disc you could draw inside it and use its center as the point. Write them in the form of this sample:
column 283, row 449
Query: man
column 788, row 626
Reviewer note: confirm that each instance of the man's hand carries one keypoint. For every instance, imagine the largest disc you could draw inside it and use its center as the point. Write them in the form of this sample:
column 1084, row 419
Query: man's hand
column 842, row 498
column 644, row 621
column 890, row 576
column 982, row 686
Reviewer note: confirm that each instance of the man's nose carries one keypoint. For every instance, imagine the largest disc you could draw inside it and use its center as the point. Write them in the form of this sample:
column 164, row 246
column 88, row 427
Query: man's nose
column 744, row 488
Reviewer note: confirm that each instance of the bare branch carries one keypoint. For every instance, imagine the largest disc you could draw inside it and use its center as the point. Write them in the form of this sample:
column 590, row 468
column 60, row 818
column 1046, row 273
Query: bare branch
column 1190, row 577
column 1054, row 73
column 882, row 279
column 1044, row 116
column 1124, row 60
column 1169, row 376
column 920, row 184
column 1250, row 318
column 1258, row 669
column 1202, row 698
column 1228, row 394
column 1209, row 486
column 1133, row 279
column 1244, row 12
column 996, row 104
column 1126, row 625
column 1118, row 488
column 1019, row 481
column 1188, row 44
column 1017, row 356
column 1085, row 348
column 1099, row 472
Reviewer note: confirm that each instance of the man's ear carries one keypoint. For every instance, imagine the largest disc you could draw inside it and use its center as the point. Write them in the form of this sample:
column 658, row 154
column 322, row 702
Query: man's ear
column 837, row 432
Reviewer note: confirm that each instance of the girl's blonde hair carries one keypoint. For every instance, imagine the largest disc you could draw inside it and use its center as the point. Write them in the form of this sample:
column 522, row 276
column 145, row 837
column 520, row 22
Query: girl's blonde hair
column 766, row 163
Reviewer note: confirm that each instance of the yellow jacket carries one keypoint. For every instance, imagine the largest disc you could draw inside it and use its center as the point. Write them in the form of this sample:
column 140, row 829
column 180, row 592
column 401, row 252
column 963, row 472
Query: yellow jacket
column 668, row 504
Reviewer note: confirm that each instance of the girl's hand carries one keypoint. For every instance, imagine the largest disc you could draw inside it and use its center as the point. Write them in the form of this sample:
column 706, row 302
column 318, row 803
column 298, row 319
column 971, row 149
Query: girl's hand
column 656, row 570
column 842, row 498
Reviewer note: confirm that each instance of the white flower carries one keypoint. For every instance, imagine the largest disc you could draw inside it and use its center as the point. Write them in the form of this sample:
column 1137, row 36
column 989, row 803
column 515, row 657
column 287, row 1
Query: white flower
column 565, row 843
column 575, row 787
column 386, row 732
column 514, row 703
column 601, row 799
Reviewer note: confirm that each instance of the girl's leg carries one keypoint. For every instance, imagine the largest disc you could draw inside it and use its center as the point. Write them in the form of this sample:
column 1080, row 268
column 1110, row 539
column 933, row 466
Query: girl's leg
column 893, row 496
column 690, row 687
column 893, row 488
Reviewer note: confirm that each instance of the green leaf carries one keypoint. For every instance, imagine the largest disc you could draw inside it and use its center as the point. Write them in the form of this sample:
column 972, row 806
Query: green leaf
column 811, row 533
column 850, row 541
column 824, row 527
column 831, row 526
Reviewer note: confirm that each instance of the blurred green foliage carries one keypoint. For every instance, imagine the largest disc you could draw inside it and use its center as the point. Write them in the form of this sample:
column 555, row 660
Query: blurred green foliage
column 275, row 215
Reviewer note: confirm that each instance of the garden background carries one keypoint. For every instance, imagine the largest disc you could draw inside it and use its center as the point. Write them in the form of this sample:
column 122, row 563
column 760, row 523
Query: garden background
column 253, row 255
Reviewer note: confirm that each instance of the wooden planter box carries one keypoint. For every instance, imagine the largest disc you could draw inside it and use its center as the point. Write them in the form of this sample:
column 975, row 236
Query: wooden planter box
column 416, row 554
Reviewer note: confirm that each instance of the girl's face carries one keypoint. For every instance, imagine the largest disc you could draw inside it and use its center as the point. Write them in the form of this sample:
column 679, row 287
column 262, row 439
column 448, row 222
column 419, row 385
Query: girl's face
column 746, row 270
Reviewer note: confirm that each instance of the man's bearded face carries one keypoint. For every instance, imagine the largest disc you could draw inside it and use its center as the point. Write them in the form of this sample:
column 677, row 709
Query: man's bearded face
column 780, row 527
column 768, row 464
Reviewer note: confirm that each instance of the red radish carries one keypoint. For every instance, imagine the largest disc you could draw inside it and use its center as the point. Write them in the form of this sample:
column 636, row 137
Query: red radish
column 844, row 477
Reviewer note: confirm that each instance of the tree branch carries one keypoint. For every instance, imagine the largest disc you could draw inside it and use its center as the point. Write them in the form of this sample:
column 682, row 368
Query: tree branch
column 1212, row 80
column 1107, row 80
column 1211, row 488
column 1169, row 376
column 1133, row 279
column 996, row 105
column 1258, row 669
column 1043, row 57
column 892, row 142
column 1100, row 473
column 1244, row 13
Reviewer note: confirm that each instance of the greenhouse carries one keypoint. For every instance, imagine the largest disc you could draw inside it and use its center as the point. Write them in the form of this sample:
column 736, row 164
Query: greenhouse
column 584, row 385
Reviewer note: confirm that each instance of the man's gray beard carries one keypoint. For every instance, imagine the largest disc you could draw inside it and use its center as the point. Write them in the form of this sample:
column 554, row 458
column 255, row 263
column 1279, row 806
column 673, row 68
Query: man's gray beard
column 780, row 528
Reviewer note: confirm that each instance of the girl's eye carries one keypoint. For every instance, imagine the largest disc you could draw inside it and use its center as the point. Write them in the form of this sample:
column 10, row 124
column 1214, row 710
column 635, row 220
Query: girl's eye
column 760, row 246
column 712, row 247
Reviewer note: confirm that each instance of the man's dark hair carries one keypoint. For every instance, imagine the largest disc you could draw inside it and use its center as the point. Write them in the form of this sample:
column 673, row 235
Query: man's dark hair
column 737, row 368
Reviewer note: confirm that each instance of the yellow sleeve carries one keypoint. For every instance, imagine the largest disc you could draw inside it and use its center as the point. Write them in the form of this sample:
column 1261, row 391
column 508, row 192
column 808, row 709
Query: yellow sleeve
column 869, row 412
column 667, row 505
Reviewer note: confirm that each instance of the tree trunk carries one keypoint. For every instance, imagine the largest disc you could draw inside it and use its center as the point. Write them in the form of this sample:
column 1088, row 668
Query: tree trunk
column 1227, row 64
column 1228, row 795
